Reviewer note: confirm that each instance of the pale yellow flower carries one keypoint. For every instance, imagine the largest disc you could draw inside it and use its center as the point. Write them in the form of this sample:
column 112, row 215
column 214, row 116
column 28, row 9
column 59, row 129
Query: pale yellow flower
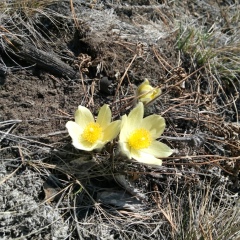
column 146, row 93
column 138, row 136
column 88, row 134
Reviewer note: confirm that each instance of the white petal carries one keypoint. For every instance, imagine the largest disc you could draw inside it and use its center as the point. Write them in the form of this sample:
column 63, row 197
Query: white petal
column 125, row 149
column 158, row 149
column 87, row 146
column 155, row 124
column 83, row 116
column 98, row 145
column 124, row 133
column 149, row 159
column 131, row 122
column 74, row 130
column 111, row 131
column 135, row 154
column 145, row 100
column 135, row 117
column 104, row 116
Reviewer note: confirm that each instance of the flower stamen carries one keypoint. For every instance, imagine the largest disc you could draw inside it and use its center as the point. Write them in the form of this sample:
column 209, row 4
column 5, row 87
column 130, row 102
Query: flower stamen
column 139, row 139
column 92, row 132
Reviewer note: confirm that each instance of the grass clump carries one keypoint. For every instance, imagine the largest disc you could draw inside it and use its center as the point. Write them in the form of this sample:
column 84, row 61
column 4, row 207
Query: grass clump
column 213, row 42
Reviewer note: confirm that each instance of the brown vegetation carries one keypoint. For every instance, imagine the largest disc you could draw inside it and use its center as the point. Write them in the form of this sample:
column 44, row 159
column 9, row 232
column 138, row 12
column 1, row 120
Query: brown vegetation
column 56, row 55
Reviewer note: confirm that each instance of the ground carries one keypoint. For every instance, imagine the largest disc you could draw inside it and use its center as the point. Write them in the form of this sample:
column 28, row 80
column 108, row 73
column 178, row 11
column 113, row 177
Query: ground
column 56, row 55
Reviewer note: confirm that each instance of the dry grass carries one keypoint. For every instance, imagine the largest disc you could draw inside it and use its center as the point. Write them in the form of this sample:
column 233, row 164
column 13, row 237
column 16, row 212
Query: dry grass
column 190, row 196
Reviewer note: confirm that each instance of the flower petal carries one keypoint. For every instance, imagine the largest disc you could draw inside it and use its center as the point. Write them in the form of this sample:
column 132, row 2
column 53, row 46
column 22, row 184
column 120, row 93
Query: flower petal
column 99, row 145
column 124, row 129
column 155, row 124
column 74, row 130
column 146, row 158
column 158, row 149
column 111, row 131
column 104, row 116
column 146, row 93
column 135, row 154
column 156, row 92
column 82, row 144
column 135, row 116
column 83, row 116
column 144, row 87
column 125, row 149
column 145, row 99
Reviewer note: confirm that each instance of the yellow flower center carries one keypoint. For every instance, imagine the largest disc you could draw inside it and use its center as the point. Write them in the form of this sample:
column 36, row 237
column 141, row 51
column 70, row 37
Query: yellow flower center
column 139, row 139
column 92, row 132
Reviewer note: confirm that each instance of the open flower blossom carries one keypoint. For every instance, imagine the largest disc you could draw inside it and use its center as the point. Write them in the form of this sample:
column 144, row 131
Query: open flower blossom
column 138, row 136
column 88, row 134
column 146, row 93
